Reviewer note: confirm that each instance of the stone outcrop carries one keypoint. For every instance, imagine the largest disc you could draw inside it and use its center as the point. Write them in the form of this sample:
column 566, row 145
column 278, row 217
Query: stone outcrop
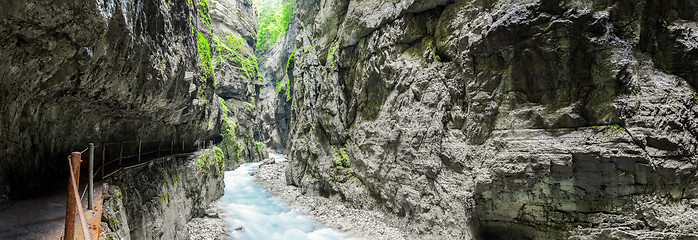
column 238, row 81
column 501, row 119
column 74, row 72
column 157, row 201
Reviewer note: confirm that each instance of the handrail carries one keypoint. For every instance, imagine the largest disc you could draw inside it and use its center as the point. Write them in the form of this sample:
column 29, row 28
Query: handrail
column 176, row 148
column 74, row 186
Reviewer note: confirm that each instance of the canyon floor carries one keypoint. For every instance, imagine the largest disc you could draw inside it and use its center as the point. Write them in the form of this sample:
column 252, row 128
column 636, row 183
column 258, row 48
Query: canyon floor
column 356, row 223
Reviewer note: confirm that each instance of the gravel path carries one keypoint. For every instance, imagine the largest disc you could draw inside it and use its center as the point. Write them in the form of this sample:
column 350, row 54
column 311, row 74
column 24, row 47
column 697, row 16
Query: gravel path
column 357, row 224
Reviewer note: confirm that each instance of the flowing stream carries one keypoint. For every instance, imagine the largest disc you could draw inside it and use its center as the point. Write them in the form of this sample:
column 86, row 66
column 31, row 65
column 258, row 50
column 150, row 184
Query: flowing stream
column 262, row 216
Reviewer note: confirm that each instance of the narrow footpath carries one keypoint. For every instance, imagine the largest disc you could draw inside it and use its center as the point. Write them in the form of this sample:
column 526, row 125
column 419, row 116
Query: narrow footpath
column 38, row 218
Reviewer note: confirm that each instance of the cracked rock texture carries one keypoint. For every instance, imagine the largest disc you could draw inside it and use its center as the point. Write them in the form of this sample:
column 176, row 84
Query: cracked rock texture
column 158, row 200
column 238, row 84
column 501, row 119
column 275, row 105
column 74, row 72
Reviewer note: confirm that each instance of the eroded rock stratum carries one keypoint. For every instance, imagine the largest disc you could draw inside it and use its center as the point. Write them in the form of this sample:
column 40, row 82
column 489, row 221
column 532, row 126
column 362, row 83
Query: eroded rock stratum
column 501, row 119
column 74, row 72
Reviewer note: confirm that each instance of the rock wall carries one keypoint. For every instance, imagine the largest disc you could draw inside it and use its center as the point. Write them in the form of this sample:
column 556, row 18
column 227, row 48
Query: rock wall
column 108, row 71
column 158, row 200
column 501, row 119
column 275, row 103
column 234, row 33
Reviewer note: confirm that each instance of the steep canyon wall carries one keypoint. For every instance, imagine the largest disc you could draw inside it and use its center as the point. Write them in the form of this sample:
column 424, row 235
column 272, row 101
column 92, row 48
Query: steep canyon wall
column 74, row 72
column 500, row 119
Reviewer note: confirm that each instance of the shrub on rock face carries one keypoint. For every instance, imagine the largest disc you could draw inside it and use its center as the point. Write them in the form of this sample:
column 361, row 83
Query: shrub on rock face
column 204, row 50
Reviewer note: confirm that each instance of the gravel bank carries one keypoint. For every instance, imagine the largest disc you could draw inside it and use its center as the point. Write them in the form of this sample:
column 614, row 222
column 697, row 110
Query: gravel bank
column 357, row 224
column 211, row 226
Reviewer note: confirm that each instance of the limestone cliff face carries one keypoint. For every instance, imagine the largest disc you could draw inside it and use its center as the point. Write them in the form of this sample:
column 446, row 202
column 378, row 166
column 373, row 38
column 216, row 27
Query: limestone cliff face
column 73, row 72
column 501, row 119
column 275, row 103
column 157, row 200
column 238, row 80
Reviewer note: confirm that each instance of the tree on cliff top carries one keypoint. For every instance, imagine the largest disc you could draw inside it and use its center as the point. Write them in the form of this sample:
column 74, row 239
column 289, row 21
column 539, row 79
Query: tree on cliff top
column 274, row 16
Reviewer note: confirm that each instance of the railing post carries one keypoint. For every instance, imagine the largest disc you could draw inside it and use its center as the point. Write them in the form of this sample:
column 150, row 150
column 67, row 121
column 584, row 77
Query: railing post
column 71, row 205
column 90, row 176
column 171, row 147
column 139, row 151
column 182, row 146
column 104, row 154
column 121, row 153
column 159, row 144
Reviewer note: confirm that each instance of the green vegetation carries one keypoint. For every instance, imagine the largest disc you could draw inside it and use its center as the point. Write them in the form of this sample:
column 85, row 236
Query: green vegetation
column 218, row 156
column 205, row 61
column 258, row 146
column 204, row 50
column 615, row 128
column 432, row 48
column 274, row 16
column 290, row 58
column 612, row 129
column 202, row 160
column 341, row 160
column 203, row 12
column 228, row 146
column 233, row 48
column 330, row 55
column 284, row 85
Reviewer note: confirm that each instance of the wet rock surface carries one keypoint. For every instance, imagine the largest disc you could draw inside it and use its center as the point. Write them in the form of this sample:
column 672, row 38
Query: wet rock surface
column 500, row 119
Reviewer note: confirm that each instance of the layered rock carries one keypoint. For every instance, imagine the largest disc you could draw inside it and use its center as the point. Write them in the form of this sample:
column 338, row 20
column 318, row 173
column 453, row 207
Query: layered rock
column 157, row 201
column 111, row 71
column 238, row 81
column 96, row 71
column 275, row 102
column 501, row 119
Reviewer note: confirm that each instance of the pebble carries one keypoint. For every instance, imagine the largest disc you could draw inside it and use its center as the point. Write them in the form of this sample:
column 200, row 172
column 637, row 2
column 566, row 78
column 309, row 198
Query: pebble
column 356, row 223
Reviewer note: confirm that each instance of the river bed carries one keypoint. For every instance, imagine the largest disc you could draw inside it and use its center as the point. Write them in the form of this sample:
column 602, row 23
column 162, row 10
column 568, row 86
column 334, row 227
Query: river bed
column 252, row 213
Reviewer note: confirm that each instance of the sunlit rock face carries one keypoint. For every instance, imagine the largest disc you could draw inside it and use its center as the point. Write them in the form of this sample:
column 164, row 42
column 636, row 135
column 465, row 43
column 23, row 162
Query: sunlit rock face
column 74, row 72
column 501, row 119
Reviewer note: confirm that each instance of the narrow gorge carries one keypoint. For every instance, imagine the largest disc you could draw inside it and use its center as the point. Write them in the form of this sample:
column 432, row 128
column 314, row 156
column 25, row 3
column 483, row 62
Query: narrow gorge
column 425, row 119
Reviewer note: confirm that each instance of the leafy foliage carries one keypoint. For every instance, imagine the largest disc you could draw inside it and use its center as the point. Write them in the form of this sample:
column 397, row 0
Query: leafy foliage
column 274, row 16
column 284, row 84
column 233, row 48
column 341, row 160
column 290, row 57
column 203, row 12
column 218, row 156
column 204, row 50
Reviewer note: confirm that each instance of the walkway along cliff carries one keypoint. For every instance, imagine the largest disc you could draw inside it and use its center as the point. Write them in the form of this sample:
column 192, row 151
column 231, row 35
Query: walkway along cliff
column 72, row 73
column 502, row 119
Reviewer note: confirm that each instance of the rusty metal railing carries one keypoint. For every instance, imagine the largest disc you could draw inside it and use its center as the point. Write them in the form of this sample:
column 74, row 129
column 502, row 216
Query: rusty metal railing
column 136, row 159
